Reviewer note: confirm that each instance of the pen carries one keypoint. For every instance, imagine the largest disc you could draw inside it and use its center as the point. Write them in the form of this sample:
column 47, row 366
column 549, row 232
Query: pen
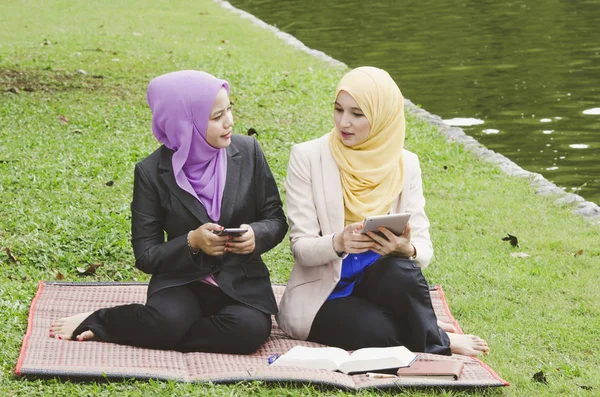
column 272, row 358
column 374, row 375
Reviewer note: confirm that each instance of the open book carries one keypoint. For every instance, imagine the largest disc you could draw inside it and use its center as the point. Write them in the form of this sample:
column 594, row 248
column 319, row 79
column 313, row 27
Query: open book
column 336, row 359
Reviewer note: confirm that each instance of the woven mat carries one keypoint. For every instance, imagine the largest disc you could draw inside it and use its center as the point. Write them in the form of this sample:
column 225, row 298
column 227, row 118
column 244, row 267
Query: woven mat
column 42, row 356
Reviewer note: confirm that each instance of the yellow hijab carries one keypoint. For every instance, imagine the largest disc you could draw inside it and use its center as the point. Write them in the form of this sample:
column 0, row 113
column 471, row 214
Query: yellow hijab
column 372, row 172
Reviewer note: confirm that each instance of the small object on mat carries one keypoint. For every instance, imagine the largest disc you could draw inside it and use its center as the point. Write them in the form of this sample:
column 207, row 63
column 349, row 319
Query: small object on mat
column 374, row 375
column 428, row 369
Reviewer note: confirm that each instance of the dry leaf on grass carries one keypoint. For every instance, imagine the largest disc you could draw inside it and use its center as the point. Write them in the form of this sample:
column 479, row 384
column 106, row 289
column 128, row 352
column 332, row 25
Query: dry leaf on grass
column 514, row 241
column 578, row 253
column 63, row 119
column 520, row 255
column 540, row 377
column 10, row 254
column 90, row 270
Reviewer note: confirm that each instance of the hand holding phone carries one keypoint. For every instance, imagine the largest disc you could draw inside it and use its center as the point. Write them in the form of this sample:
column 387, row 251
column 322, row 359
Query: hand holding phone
column 241, row 240
column 231, row 231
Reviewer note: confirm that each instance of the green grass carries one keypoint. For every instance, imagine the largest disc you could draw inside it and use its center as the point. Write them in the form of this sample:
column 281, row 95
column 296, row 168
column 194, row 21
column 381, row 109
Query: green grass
column 57, row 212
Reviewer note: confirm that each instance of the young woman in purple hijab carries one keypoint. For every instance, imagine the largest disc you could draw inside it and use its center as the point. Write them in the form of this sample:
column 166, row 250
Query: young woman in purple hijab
column 208, row 292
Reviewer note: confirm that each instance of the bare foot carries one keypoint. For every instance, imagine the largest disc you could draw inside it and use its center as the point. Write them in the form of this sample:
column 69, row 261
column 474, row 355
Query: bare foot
column 468, row 345
column 448, row 327
column 63, row 328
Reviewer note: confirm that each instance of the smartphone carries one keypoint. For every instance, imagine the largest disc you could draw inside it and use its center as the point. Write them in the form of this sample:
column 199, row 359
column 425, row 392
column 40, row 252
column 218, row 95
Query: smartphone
column 395, row 223
column 231, row 231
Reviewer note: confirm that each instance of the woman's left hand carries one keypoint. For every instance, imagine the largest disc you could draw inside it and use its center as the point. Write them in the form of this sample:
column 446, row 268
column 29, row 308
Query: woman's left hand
column 242, row 244
column 392, row 244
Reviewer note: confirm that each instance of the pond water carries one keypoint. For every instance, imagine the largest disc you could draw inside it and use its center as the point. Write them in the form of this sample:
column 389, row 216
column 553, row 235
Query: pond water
column 524, row 76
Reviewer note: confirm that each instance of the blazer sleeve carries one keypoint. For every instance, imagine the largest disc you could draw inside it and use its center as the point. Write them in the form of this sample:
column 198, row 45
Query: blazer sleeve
column 309, row 246
column 270, row 226
column 419, row 223
column 153, row 254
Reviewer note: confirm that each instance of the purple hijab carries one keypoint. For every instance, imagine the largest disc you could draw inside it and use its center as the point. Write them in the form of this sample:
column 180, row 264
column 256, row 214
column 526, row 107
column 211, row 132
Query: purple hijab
column 181, row 104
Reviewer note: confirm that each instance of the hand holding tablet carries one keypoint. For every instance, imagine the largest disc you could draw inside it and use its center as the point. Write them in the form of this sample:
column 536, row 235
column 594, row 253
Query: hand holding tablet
column 395, row 223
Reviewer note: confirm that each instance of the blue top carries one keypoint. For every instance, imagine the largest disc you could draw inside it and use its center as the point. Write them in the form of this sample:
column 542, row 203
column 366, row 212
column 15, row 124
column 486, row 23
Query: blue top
column 353, row 267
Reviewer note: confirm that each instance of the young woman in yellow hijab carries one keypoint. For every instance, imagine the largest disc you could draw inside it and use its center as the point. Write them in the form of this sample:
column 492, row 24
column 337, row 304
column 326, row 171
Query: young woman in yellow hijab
column 348, row 289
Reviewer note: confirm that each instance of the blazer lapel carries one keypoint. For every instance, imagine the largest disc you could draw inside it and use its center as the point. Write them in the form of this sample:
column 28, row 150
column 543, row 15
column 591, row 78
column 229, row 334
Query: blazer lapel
column 189, row 201
column 234, row 167
column 332, row 189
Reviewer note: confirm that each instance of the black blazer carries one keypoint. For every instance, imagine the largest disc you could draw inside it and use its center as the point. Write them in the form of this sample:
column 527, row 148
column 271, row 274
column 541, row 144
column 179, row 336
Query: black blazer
column 161, row 207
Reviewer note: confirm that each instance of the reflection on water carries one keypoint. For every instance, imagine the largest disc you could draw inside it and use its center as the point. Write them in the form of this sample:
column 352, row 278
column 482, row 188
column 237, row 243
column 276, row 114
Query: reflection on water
column 530, row 72
column 463, row 122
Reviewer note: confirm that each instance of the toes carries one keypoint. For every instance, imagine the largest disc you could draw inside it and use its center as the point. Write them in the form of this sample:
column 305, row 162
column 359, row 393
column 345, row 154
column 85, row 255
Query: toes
column 86, row 335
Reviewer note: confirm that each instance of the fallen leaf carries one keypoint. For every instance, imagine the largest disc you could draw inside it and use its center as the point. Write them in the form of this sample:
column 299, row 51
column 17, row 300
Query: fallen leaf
column 520, row 255
column 540, row 377
column 203, row 13
column 45, row 42
column 77, row 131
column 513, row 240
column 578, row 253
column 109, row 183
column 225, row 41
column 10, row 254
column 137, row 33
column 90, row 270
column 13, row 90
column 81, row 71
column 63, row 119
column 586, row 387
column 252, row 131
column 60, row 276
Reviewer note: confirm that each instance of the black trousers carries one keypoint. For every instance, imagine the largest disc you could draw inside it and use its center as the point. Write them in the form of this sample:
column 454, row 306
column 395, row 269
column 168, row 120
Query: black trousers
column 192, row 317
column 390, row 306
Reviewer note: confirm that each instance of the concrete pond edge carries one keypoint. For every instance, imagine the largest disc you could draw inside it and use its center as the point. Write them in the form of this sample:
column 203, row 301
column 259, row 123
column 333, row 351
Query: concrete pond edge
column 580, row 206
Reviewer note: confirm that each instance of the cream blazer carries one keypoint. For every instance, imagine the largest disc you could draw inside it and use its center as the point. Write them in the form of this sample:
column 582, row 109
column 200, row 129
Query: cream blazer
column 315, row 209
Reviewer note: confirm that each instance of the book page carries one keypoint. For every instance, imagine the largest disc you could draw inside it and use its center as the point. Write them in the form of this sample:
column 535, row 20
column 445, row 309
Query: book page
column 328, row 358
column 374, row 358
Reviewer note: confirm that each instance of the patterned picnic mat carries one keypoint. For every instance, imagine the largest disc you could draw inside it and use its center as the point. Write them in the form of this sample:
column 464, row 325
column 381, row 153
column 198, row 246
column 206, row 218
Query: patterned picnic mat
column 42, row 356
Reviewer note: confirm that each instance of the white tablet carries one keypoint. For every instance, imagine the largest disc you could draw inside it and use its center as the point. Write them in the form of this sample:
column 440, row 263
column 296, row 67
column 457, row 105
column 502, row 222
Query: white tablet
column 395, row 223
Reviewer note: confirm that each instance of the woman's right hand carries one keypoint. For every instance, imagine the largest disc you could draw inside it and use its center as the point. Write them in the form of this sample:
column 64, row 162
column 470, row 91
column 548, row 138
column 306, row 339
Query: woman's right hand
column 351, row 241
column 206, row 240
